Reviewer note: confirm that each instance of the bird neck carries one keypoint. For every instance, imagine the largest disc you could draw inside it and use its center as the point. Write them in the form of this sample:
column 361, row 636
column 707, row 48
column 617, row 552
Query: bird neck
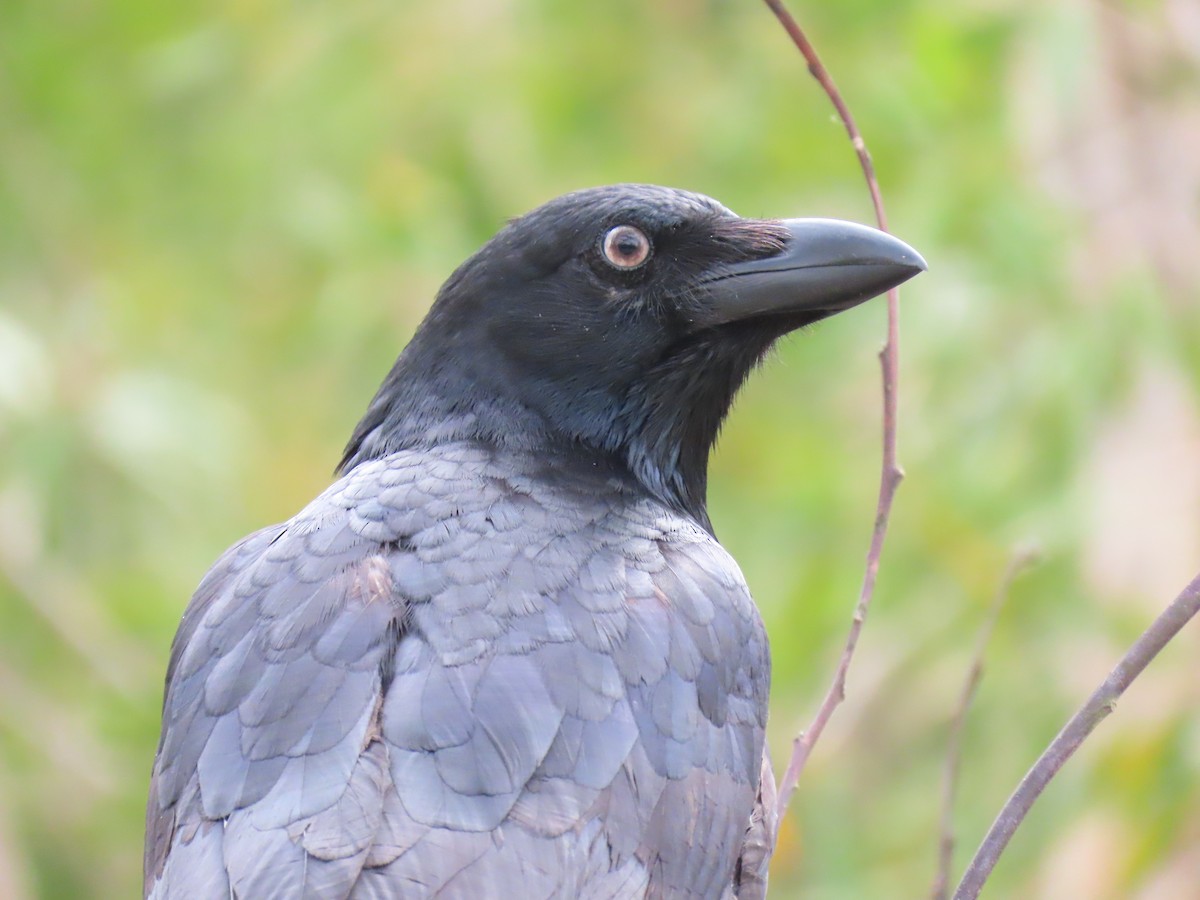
column 661, row 427
column 426, row 401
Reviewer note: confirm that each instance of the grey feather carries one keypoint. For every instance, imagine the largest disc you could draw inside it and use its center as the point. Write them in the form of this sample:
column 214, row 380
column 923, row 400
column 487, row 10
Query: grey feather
column 540, row 688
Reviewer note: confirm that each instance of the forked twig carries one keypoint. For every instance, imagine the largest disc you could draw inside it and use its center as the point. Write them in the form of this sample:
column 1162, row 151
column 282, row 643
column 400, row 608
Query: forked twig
column 1021, row 560
column 891, row 472
column 1182, row 609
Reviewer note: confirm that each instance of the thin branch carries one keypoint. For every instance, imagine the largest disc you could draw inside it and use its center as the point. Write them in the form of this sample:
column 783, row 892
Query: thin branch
column 1020, row 561
column 891, row 473
column 1182, row 609
column 818, row 71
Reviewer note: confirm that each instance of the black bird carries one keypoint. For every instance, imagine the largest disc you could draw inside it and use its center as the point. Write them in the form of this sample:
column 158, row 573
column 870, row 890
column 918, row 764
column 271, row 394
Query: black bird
column 503, row 654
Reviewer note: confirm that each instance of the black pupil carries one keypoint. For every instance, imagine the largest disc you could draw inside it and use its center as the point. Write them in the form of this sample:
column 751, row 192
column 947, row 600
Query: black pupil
column 628, row 244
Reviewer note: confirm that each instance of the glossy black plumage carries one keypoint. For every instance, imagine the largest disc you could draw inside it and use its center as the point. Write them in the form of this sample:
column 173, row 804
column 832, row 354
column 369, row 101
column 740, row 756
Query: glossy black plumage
column 503, row 655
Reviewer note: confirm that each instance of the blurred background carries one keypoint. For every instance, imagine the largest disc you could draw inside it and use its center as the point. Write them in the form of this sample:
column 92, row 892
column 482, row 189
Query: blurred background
column 220, row 221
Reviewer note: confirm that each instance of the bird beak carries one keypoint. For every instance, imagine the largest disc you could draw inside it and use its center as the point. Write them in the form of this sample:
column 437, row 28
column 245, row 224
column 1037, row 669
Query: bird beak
column 827, row 266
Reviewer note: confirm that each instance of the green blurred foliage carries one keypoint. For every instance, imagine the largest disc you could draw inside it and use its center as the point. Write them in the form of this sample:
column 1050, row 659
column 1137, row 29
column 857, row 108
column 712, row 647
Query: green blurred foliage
column 220, row 221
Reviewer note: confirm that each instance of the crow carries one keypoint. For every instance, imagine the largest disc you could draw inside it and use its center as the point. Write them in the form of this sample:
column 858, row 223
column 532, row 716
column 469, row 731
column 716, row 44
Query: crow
column 503, row 654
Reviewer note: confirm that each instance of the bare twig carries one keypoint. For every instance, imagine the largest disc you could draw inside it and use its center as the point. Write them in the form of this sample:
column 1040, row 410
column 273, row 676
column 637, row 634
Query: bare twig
column 891, row 472
column 1021, row 560
column 1182, row 609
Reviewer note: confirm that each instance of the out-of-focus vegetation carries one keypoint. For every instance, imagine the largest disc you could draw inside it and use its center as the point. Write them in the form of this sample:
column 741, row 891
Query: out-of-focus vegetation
column 220, row 221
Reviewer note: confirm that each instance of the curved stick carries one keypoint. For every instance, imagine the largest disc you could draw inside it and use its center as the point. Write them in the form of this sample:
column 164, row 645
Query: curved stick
column 891, row 474
column 1021, row 560
column 1093, row 712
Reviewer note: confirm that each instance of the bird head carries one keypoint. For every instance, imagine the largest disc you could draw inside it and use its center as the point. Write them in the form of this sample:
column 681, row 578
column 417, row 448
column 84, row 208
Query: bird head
column 620, row 321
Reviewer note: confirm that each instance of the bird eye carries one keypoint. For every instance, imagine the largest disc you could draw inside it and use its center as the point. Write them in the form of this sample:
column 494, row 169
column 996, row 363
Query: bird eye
column 626, row 247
